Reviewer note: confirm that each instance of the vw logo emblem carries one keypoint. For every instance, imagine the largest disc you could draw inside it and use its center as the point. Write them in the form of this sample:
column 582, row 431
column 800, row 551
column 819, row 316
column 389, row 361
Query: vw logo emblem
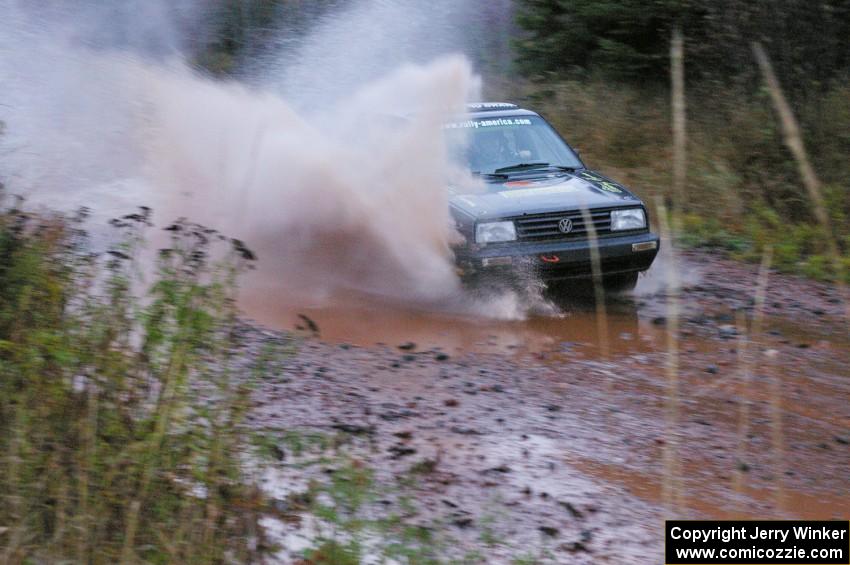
column 565, row 225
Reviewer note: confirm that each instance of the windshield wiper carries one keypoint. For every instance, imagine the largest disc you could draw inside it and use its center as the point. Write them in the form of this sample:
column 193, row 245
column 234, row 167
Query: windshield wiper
column 520, row 167
column 529, row 166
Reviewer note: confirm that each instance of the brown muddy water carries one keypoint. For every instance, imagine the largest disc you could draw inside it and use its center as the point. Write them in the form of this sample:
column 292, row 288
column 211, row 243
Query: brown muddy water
column 572, row 329
column 547, row 326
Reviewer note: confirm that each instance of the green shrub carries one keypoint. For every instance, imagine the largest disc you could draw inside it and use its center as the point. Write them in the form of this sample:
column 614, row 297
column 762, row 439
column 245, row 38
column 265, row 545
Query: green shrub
column 119, row 418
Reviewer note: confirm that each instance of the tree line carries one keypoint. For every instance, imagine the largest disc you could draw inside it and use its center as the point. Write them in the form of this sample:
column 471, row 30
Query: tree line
column 629, row 39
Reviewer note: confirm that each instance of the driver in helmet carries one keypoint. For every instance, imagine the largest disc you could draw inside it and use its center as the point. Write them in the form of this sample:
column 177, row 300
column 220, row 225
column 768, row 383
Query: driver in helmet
column 489, row 151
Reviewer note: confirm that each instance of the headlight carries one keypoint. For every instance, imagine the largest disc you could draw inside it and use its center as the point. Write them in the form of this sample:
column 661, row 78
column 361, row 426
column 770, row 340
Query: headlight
column 493, row 232
column 628, row 219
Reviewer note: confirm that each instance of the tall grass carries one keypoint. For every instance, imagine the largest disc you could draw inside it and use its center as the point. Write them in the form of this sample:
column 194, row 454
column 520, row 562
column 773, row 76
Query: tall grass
column 671, row 487
column 598, row 284
column 679, row 121
column 749, row 340
column 120, row 418
column 793, row 139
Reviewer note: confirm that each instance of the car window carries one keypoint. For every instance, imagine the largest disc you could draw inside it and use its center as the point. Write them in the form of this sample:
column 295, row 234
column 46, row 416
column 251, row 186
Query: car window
column 487, row 144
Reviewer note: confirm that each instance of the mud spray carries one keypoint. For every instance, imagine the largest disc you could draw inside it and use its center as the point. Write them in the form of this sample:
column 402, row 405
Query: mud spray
column 327, row 158
column 355, row 200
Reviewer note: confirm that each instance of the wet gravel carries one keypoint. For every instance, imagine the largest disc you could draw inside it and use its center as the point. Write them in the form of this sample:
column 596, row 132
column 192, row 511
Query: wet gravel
column 557, row 456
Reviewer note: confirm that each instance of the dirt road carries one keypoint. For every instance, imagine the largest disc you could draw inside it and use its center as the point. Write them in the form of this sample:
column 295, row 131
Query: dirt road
column 545, row 440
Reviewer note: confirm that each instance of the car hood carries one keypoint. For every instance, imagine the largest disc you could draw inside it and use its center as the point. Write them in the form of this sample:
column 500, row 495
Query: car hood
column 550, row 192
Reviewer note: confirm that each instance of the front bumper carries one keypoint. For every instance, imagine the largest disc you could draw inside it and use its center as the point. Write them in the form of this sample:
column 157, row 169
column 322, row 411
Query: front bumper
column 555, row 260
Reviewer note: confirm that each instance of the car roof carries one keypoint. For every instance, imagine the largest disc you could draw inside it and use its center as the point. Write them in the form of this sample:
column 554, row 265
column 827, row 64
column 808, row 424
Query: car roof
column 496, row 109
column 475, row 110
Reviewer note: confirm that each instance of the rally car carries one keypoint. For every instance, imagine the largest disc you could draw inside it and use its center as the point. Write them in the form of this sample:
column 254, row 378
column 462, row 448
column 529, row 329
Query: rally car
column 541, row 210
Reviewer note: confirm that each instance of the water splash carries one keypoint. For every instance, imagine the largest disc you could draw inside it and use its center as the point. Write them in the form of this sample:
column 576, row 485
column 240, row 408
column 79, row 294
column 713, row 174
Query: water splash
column 346, row 196
column 354, row 198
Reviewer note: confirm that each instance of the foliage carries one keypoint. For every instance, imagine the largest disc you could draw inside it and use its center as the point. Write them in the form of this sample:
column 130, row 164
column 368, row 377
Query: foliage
column 119, row 419
column 627, row 38
column 239, row 29
column 630, row 38
column 353, row 523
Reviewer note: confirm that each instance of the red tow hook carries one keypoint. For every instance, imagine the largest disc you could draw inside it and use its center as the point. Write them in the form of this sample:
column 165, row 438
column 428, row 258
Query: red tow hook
column 550, row 258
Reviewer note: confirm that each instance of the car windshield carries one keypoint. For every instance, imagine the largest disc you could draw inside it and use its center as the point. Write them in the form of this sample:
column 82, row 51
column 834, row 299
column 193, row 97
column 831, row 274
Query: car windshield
column 509, row 144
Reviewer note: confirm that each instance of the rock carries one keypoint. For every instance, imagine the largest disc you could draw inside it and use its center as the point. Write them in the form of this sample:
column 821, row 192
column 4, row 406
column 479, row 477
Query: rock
column 659, row 321
column 409, row 346
column 390, row 415
column 574, row 547
column 355, row 429
column 400, row 451
column 549, row 531
column 727, row 331
column 408, row 358
column 441, row 357
column 309, row 325
column 574, row 512
column 451, row 402
column 843, row 440
column 500, row 469
column 465, row 431
column 278, row 504
column 711, row 369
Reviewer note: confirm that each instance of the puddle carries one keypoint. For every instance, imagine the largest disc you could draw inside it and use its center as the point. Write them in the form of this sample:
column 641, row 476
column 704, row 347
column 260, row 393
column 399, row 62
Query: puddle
column 572, row 328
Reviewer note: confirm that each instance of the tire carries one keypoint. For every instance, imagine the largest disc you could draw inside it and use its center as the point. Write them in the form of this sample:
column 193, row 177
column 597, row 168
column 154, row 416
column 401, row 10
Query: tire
column 624, row 282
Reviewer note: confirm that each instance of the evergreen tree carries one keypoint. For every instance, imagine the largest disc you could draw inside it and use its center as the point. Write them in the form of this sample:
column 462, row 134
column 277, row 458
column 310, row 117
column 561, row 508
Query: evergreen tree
column 630, row 38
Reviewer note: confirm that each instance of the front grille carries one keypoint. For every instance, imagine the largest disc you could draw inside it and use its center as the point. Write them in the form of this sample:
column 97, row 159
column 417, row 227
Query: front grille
column 541, row 227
